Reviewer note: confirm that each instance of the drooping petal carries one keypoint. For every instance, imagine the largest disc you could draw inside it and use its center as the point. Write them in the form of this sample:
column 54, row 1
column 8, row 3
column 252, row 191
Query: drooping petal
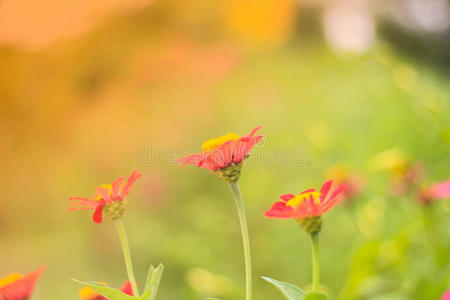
column 325, row 189
column 98, row 214
column 192, row 159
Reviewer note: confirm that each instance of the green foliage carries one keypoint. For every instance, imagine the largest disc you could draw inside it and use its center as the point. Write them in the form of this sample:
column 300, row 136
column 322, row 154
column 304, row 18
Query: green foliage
column 290, row 291
column 106, row 291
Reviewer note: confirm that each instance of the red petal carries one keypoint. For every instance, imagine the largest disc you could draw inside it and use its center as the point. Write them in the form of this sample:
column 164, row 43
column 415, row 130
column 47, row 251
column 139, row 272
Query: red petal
column 325, row 189
column 98, row 214
column 131, row 180
column 287, row 197
column 21, row 289
column 127, row 289
column 115, row 187
column 279, row 210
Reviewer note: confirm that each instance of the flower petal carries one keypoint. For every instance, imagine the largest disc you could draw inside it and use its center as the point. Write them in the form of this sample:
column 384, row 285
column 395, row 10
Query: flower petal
column 98, row 214
column 440, row 189
column 131, row 180
column 115, row 187
column 287, row 197
column 325, row 189
column 279, row 210
column 104, row 193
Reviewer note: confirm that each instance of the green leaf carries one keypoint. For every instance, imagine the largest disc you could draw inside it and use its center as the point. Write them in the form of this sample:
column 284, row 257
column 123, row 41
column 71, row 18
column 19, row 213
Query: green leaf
column 315, row 296
column 106, row 291
column 290, row 291
column 152, row 282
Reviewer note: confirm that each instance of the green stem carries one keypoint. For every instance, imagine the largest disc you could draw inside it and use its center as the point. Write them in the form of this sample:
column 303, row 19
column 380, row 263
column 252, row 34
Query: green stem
column 316, row 261
column 245, row 239
column 127, row 256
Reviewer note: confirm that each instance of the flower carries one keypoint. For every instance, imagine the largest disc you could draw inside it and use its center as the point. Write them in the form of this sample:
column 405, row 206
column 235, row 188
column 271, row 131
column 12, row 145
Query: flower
column 17, row 286
column 435, row 191
column 108, row 198
column 224, row 155
column 446, row 295
column 307, row 207
column 86, row 293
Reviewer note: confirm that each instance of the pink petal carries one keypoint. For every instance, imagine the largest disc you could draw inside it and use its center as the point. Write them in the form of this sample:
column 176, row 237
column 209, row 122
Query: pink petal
column 104, row 193
column 131, row 180
column 227, row 150
column 325, row 189
column 287, row 197
column 23, row 288
column 440, row 189
column 192, row 159
column 446, row 295
column 97, row 217
column 115, row 187
column 279, row 210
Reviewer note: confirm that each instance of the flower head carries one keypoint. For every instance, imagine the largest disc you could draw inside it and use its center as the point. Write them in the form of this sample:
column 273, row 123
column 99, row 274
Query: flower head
column 86, row 293
column 224, row 155
column 110, row 199
column 435, row 191
column 17, row 286
column 307, row 207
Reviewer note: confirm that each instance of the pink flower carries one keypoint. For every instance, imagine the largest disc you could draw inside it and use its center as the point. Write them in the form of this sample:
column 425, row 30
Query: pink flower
column 108, row 198
column 435, row 191
column 446, row 295
column 309, row 203
column 18, row 287
column 223, row 152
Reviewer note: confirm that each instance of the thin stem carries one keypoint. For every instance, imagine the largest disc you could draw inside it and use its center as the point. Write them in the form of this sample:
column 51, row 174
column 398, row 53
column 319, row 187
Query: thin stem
column 245, row 239
column 127, row 256
column 316, row 261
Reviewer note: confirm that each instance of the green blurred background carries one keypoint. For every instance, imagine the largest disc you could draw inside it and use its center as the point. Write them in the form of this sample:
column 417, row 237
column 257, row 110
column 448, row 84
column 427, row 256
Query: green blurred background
column 90, row 91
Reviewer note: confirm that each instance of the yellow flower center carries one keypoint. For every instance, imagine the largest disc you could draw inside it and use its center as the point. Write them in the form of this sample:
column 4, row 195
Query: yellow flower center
column 7, row 280
column 213, row 144
column 297, row 200
column 86, row 293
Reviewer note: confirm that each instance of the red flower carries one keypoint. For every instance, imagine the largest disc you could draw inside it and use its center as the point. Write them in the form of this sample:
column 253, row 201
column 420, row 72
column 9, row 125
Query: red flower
column 18, row 287
column 223, row 152
column 435, row 191
column 309, row 203
column 109, row 198
column 86, row 293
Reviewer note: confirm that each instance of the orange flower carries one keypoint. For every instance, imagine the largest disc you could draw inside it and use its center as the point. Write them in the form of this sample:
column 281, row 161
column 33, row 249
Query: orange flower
column 17, row 286
column 108, row 198
column 224, row 155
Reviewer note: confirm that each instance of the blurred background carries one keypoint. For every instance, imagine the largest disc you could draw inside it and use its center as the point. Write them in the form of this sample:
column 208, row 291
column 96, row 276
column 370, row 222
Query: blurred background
column 355, row 90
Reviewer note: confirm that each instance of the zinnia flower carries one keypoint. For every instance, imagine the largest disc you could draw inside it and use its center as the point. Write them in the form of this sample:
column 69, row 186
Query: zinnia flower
column 307, row 207
column 17, row 286
column 435, row 191
column 224, row 155
column 86, row 293
column 110, row 199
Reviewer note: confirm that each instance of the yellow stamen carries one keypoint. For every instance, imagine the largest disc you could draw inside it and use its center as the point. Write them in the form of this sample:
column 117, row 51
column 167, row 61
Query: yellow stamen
column 297, row 200
column 86, row 293
column 7, row 280
column 213, row 144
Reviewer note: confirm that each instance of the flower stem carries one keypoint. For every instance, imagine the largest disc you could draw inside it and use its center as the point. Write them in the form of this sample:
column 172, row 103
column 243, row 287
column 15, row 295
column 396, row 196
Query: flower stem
column 245, row 239
column 127, row 256
column 316, row 261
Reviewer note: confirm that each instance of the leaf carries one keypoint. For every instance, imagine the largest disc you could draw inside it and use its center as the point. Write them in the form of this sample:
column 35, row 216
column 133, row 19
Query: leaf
column 290, row 291
column 106, row 291
column 152, row 282
column 315, row 296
